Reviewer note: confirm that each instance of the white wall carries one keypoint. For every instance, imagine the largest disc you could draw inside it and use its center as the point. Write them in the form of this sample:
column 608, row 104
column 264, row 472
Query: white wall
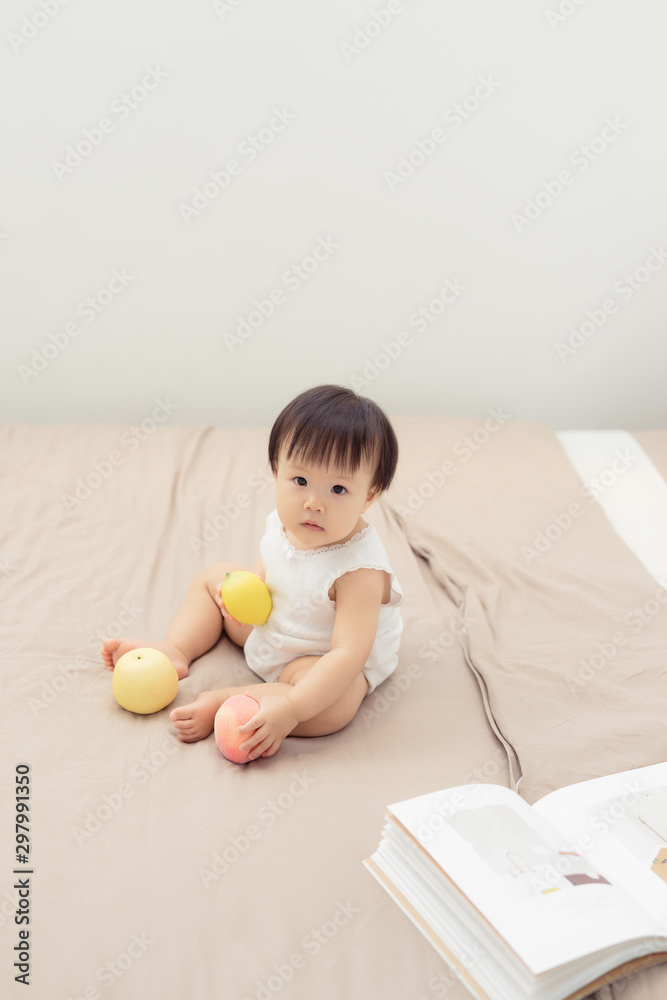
column 553, row 83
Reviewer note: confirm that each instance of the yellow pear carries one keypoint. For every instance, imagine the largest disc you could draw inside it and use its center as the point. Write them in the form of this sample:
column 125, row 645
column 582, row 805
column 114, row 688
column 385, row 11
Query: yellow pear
column 144, row 681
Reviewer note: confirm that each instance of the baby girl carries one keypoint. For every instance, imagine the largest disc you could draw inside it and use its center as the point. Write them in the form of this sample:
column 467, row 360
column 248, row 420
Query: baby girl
column 335, row 625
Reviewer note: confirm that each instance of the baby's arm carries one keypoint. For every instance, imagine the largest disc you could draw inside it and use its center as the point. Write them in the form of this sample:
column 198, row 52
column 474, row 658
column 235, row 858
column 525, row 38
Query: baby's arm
column 358, row 599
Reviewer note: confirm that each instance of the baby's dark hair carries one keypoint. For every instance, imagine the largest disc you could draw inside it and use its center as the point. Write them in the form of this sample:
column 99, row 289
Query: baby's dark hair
column 331, row 424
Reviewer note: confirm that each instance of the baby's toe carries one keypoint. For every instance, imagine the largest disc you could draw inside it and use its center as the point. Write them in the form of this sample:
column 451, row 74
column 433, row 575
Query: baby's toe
column 181, row 714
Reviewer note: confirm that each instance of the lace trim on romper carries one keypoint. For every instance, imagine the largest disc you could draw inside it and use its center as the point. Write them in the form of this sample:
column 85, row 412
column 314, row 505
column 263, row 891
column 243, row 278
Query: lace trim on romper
column 293, row 551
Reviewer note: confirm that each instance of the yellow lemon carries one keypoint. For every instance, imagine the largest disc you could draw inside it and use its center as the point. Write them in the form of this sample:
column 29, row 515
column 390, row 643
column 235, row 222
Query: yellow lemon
column 246, row 597
column 144, row 681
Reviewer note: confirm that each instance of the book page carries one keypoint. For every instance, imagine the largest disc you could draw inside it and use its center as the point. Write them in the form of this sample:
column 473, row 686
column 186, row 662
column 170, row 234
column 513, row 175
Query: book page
column 620, row 823
column 549, row 903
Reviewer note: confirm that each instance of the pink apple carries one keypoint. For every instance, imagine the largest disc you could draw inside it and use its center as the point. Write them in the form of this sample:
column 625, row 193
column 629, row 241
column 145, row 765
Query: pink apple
column 234, row 712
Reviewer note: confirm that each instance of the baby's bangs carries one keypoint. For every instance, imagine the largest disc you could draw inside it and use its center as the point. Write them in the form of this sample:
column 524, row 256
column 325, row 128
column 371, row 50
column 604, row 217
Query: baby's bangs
column 344, row 447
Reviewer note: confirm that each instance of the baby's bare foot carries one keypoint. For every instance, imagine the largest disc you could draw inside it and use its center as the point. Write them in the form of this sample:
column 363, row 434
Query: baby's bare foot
column 113, row 649
column 195, row 721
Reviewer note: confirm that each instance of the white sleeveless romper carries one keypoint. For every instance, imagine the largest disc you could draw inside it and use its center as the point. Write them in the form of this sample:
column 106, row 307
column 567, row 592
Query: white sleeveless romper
column 302, row 617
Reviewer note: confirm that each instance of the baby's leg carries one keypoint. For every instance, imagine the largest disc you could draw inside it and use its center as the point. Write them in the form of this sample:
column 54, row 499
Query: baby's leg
column 197, row 625
column 195, row 721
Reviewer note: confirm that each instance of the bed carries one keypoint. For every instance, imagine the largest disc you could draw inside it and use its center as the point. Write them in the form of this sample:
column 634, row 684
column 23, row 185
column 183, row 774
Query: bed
column 160, row 869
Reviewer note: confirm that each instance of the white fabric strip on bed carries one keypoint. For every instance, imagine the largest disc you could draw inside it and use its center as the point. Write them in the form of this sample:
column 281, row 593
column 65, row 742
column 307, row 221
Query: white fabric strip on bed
column 624, row 481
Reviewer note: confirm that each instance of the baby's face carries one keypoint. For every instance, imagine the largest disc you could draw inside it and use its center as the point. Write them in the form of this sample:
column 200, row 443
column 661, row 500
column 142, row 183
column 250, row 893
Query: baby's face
column 332, row 501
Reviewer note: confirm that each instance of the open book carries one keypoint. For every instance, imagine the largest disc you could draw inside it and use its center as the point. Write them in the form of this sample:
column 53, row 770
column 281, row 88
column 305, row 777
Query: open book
column 550, row 901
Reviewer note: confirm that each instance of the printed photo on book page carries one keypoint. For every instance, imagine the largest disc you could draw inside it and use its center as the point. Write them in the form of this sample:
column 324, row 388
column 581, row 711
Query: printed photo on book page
column 620, row 823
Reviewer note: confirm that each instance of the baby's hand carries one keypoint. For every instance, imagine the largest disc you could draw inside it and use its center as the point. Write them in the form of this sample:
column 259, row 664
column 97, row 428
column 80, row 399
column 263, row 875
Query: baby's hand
column 221, row 604
column 272, row 722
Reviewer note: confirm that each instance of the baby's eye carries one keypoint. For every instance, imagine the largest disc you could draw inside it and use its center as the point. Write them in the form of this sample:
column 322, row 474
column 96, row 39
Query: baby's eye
column 300, row 477
column 339, row 487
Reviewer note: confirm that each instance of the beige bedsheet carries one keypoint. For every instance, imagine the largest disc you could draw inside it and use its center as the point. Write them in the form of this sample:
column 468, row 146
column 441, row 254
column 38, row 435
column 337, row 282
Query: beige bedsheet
column 161, row 870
